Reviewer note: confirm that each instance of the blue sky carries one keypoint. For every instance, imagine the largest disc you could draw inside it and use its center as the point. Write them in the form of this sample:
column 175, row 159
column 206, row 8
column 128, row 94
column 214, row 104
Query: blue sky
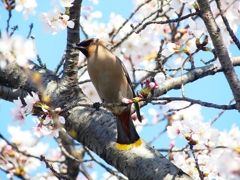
column 50, row 48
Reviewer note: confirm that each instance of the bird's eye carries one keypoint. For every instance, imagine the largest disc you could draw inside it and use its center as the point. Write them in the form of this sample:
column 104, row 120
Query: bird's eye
column 86, row 42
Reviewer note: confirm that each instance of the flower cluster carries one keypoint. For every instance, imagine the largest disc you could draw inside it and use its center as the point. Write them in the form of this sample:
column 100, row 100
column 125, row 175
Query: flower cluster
column 54, row 20
column 147, row 87
column 28, row 6
column 211, row 149
column 15, row 48
column 49, row 122
column 14, row 160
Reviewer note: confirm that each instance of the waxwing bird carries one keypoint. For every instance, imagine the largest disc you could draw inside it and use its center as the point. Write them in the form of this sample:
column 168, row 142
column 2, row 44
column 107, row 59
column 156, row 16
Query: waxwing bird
column 111, row 80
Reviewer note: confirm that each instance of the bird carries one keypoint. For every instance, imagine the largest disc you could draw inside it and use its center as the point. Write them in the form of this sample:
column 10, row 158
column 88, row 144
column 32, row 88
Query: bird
column 112, row 83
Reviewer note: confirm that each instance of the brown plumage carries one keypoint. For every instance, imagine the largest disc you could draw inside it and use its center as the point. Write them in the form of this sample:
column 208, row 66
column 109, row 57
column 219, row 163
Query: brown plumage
column 111, row 80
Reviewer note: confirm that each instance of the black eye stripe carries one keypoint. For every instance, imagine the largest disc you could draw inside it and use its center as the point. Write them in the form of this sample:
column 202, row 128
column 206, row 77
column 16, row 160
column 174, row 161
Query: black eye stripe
column 86, row 42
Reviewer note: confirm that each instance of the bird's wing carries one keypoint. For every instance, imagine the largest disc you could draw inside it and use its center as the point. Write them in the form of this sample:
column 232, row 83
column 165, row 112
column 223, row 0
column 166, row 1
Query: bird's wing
column 130, row 84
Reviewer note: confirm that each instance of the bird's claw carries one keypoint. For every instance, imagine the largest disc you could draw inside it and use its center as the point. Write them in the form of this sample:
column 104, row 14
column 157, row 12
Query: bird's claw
column 96, row 105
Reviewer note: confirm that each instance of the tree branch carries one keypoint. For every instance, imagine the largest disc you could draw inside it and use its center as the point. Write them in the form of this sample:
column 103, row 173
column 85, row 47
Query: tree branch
column 70, row 69
column 230, row 31
column 221, row 50
column 191, row 76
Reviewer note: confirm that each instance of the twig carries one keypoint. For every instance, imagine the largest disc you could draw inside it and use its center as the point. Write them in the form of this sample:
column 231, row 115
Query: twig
column 85, row 173
column 30, row 30
column 157, row 136
column 212, row 60
column 17, row 175
column 179, row 109
column 131, row 32
column 86, row 81
column 66, row 153
column 113, row 172
column 8, row 20
column 159, row 60
column 24, row 153
column 84, row 32
column 106, row 105
column 164, row 22
column 221, row 112
column 230, row 31
column 35, row 49
column 197, row 166
column 14, row 28
column 57, row 174
column 133, row 70
column 82, row 72
column 131, row 15
column 177, row 69
column 193, row 101
column 60, row 63
column 187, row 150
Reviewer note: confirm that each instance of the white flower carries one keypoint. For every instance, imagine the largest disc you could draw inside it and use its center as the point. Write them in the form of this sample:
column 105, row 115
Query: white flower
column 175, row 129
column 23, row 51
column 54, row 132
column 176, row 4
column 54, row 21
column 16, row 48
column 66, row 3
column 61, row 119
column 96, row 14
column 19, row 137
column 159, row 78
column 65, row 22
column 191, row 113
column 197, row 28
column 37, row 129
column 47, row 120
column 30, row 100
column 18, row 102
column 29, row 6
column 18, row 114
column 171, row 48
column 49, row 20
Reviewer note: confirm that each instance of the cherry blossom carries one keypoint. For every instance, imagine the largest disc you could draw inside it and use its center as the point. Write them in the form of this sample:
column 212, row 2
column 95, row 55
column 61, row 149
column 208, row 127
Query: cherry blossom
column 177, row 4
column 19, row 163
column 18, row 115
column 175, row 129
column 30, row 101
column 28, row 6
column 197, row 28
column 23, row 50
column 15, row 48
column 66, row 3
column 55, row 21
column 171, row 49
column 65, row 22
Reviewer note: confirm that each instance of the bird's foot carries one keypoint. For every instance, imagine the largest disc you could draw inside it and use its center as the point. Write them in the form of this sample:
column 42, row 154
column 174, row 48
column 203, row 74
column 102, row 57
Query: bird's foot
column 96, row 105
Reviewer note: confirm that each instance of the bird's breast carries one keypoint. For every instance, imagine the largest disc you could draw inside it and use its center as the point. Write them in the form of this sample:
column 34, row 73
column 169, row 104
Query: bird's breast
column 108, row 78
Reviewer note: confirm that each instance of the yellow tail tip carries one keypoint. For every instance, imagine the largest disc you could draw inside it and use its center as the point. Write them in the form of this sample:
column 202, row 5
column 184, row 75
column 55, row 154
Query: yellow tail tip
column 124, row 147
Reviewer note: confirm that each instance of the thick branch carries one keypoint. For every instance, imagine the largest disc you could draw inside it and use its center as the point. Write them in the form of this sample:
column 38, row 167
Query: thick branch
column 70, row 69
column 97, row 131
column 193, row 75
column 15, row 83
column 221, row 50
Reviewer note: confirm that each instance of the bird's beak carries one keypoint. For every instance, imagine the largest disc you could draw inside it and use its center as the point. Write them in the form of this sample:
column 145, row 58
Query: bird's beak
column 81, row 48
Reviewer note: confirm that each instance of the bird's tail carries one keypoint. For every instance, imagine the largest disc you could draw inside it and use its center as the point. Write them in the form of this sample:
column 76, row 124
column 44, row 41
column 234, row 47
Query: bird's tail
column 127, row 136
